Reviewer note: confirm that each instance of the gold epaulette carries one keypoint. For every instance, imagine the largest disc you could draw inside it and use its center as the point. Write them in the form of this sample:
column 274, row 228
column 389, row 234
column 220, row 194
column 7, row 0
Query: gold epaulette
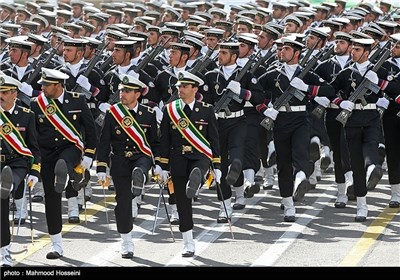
column 90, row 151
column 205, row 104
column 75, row 94
column 100, row 163
column 26, row 110
column 164, row 160
column 36, row 167
column 216, row 160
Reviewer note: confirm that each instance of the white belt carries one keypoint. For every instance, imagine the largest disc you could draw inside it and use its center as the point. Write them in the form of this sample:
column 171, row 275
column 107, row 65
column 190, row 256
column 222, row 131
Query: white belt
column 366, row 107
column 237, row 114
column 92, row 105
column 293, row 108
column 333, row 106
column 248, row 104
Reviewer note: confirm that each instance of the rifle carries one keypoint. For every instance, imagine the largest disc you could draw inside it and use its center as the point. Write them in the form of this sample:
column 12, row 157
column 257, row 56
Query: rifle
column 361, row 91
column 37, row 69
column 304, row 61
column 105, row 63
column 92, row 63
column 198, row 68
column 291, row 91
column 378, row 51
column 262, row 60
column 327, row 54
column 228, row 95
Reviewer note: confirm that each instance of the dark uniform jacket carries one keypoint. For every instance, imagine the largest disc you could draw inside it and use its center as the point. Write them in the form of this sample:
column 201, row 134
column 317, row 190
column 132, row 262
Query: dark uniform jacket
column 77, row 112
column 10, row 70
column 393, row 88
column 164, row 85
column 24, row 121
column 172, row 155
column 115, row 142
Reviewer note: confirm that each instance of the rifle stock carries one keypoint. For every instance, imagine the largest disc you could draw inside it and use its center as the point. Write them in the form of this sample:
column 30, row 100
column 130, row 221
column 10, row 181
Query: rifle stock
column 365, row 86
column 228, row 95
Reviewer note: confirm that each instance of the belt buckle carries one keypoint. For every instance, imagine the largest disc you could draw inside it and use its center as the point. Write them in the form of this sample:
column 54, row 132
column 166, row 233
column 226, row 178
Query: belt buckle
column 186, row 149
column 128, row 154
column 2, row 158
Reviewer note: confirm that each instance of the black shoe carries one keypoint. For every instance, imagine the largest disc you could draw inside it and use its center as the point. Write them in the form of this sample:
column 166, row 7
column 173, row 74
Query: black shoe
column 16, row 221
column 314, row 152
column 325, row 162
column 360, row 219
column 329, row 170
column 340, row 205
column 289, row 219
column 111, row 188
column 76, row 178
column 375, row 177
column 85, row 180
column 394, row 204
column 248, row 193
column 6, row 182
column 193, row 183
column 234, row 172
column 74, row 220
column 61, row 172
column 267, row 186
column 37, row 198
column 238, row 206
column 350, row 193
column 282, row 207
column 301, row 190
column 128, row 255
column 87, row 198
column 53, row 255
column 137, row 181
column 175, row 222
column 13, row 207
column 187, row 254
column 222, row 220
column 258, row 179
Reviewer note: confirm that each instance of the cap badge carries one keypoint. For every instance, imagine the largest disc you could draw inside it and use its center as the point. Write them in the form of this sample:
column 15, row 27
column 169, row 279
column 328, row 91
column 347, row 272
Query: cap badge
column 181, row 76
column 125, row 80
column 2, row 81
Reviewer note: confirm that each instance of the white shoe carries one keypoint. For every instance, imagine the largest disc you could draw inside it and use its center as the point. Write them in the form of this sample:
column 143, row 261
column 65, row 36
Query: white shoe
column 126, row 245
column 341, row 199
column 134, row 208
column 222, row 218
column 189, row 245
column 56, row 250
column 362, row 209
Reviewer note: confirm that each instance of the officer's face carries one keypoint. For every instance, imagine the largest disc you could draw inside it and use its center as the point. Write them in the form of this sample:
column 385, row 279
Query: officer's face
column 76, row 11
column 358, row 54
column 341, row 47
column 15, row 55
column 244, row 50
column 311, row 41
column 395, row 50
column 243, row 29
column 152, row 39
column 175, row 57
column 71, row 54
column 211, row 41
column 129, row 97
column 290, row 27
column 7, row 99
column 119, row 56
column 187, row 92
column 225, row 57
column 263, row 40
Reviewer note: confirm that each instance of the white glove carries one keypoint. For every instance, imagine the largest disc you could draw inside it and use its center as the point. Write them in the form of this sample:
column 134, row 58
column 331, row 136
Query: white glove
column 271, row 113
column 164, row 176
column 157, row 170
column 27, row 89
column 299, row 84
column 322, row 100
column 382, row 102
column 347, row 105
column 33, row 179
column 234, row 86
column 372, row 76
column 83, row 82
column 86, row 162
column 159, row 114
column 101, row 176
column 218, row 175
column 104, row 107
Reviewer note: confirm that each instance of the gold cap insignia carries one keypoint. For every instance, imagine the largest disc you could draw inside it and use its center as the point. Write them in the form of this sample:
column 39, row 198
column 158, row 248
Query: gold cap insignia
column 2, row 81
column 181, row 76
column 125, row 80
column 127, row 121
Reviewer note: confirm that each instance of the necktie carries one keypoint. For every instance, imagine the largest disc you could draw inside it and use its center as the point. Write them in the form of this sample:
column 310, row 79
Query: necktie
column 59, row 105
column 187, row 110
column 7, row 114
column 133, row 113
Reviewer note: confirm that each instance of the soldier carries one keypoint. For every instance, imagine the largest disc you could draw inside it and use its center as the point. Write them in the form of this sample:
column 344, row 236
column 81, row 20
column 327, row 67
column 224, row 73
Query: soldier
column 130, row 136
column 291, row 127
column 189, row 144
column 20, row 154
column 61, row 117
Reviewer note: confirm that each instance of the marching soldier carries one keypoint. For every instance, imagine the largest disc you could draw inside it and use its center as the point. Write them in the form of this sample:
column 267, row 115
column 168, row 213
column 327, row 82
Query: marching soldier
column 20, row 154
column 189, row 144
column 291, row 127
column 130, row 136
column 61, row 118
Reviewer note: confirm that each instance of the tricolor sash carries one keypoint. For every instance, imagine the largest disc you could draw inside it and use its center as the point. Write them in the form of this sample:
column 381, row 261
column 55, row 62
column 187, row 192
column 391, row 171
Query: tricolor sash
column 59, row 120
column 11, row 134
column 187, row 129
column 131, row 127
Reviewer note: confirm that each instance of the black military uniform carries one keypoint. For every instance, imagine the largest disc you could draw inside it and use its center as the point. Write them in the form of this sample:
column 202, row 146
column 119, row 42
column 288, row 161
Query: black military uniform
column 55, row 147
column 292, row 128
column 181, row 157
column 129, row 161
column 14, row 164
column 232, row 128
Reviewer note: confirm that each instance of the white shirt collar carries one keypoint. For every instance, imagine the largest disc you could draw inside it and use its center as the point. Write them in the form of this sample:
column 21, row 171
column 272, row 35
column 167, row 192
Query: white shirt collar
column 290, row 69
column 61, row 97
column 123, row 69
column 74, row 68
column 362, row 67
column 228, row 70
column 191, row 105
column 342, row 59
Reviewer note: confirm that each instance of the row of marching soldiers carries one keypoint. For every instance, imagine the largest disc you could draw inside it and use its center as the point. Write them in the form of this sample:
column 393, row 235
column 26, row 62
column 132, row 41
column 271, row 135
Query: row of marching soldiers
column 155, row 93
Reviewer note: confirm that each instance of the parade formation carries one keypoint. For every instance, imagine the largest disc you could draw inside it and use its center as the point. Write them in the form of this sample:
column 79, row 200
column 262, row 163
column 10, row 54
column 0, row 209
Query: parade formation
column 186, row 95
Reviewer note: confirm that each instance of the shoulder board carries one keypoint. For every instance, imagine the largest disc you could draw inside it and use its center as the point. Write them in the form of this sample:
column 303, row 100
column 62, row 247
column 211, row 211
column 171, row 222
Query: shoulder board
column 75, row 94
column 205, row 104
column 26, row 110
column 149, row 109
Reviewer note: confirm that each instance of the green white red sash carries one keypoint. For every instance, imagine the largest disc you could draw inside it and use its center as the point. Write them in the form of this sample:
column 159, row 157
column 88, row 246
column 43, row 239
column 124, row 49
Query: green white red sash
column 131, row 127
column 59, row 121
column 11, row 134
column 187, row 129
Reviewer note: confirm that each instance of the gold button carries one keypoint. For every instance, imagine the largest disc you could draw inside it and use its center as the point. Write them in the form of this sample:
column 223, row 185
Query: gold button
column 56, row 139
column 127, row 139
column 63, row 138
column 127, row 147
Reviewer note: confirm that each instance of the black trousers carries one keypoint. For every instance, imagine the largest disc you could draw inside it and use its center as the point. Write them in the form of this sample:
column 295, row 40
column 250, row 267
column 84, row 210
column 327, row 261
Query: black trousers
column 232, row 140
column 391, row 128
column 72, row 157
column 19, row 174
column 363, row 147
column 336, row 133
column 121, row 170
column 251, row 157
column 318, row 129
column 292, row 154
column 184, row 204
